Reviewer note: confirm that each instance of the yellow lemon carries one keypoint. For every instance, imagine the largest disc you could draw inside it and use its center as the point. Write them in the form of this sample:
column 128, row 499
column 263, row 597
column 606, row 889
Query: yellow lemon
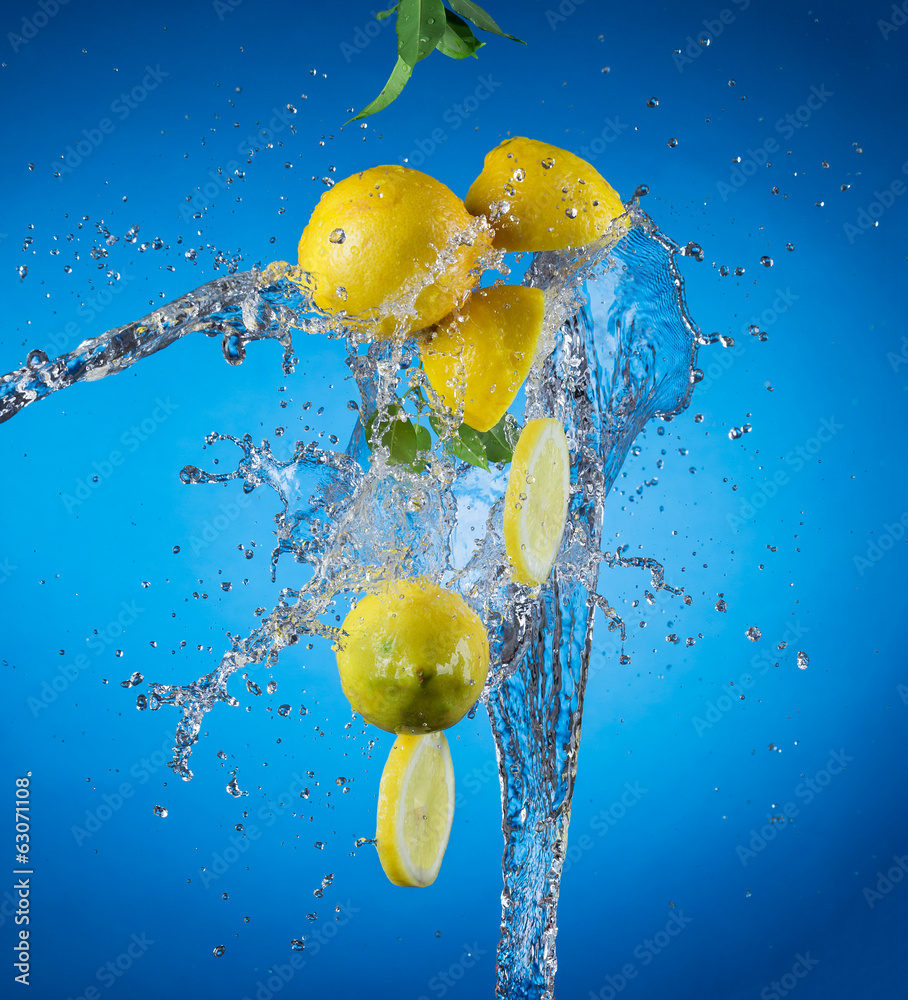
column 415, row 809
column 412, row 658
column 536, row 501
column 480, row 355
column 540, row 197
column 392, row 248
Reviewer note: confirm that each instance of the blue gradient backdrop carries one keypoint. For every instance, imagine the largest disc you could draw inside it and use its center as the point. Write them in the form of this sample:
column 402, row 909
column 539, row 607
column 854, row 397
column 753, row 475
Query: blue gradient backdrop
column 678, row 883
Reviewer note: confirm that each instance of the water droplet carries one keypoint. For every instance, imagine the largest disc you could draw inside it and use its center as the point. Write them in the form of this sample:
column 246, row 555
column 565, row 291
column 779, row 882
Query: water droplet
column 337, row 236
column 723, row 271
column 36, row 359
column 518, row 173
column 642, row 191
column 739, row 271
column 133, row 680
column 548, row 163
column 845, row 187
column 284, row 711
column 233, row 348
column 753, row 633
column 160, row 811
column 803, row 660
column 824, row 165
column 571, row 212
column 766, row 261
column 789, row 246
column 672, row 143
column 226, row 586
column 653, row 102
column 298, row 944
column 219, row 950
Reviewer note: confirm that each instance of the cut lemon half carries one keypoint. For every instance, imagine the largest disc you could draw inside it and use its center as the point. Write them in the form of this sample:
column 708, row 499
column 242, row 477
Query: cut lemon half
column 536, row 502
column 415, row 809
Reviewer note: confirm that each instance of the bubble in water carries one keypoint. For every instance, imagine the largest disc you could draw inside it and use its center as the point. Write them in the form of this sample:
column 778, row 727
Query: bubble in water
column 803, row 660
column 753, row 633
column 219, row 950
column 337, row 236
column 160, row 811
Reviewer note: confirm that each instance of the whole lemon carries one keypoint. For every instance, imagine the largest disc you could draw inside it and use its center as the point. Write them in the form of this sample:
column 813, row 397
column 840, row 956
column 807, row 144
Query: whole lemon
column 412, row 658
column 480, row 355
column 392, row 248
column 540, row 197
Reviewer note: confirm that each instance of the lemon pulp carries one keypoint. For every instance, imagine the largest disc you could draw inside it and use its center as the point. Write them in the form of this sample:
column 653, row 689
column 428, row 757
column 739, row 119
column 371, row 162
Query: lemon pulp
column 415, row 809
column 536, row 502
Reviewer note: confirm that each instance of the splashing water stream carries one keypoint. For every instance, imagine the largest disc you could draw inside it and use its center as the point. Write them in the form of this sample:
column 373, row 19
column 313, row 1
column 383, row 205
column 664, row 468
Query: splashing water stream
column 621, row 350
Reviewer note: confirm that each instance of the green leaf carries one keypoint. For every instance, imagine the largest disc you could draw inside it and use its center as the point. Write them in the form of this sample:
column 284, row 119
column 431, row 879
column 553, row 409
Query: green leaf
column 390, row 92
column 500, row 440
column 382, row 14
column 401, row 438
column 473, row 12
column 458, row 41
column 420, row 27
column 468, row 447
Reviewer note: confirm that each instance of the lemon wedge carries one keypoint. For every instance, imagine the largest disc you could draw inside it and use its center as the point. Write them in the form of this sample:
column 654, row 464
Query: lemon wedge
column 415, row 809
column 536, row 502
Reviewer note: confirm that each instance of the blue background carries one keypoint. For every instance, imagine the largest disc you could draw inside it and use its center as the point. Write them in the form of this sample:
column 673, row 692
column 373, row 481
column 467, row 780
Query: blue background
column 814, row 556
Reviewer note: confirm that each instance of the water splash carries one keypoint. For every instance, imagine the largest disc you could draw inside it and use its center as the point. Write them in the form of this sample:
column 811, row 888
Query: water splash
column 620, row 350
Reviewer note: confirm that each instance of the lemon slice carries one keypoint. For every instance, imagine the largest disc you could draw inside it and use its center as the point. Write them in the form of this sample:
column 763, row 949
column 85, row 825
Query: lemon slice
column 536, row 502
column 415, row 809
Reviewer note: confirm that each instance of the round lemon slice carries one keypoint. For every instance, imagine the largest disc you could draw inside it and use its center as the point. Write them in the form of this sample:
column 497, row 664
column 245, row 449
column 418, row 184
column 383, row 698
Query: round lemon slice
column 415, row 809
column 536, row 502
